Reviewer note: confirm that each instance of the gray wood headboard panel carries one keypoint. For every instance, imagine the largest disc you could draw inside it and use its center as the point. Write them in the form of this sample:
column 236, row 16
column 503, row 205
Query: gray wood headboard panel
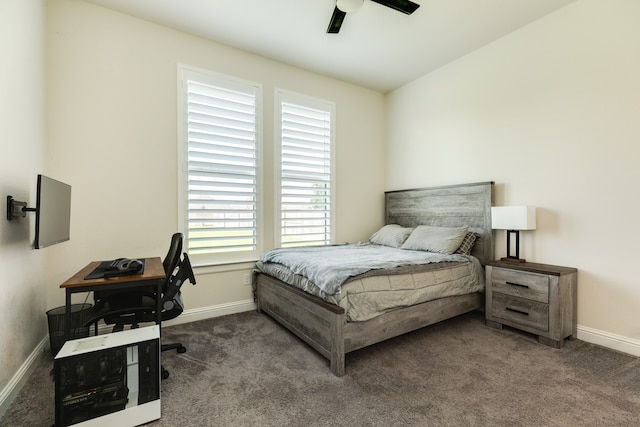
column 449, row 206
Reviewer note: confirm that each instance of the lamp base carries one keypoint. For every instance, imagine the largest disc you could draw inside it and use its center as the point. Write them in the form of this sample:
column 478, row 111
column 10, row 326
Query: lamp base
column 513, row 259
column 509, row 257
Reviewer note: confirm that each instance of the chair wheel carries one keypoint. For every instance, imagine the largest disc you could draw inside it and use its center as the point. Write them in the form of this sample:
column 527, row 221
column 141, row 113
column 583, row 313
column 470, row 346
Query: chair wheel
column 165, row 374
column 181, row 349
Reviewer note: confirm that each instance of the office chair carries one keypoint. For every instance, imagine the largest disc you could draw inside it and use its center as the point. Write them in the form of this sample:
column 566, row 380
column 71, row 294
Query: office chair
column 132, row 308
column 114, row 307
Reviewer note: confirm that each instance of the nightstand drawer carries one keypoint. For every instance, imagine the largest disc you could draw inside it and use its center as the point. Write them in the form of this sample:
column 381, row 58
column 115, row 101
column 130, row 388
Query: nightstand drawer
column 518, row 310
column 521, row 284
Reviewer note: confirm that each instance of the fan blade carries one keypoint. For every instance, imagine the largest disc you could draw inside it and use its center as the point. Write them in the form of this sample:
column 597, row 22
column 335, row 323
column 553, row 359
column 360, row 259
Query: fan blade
column 404, row 6
column 336, row 21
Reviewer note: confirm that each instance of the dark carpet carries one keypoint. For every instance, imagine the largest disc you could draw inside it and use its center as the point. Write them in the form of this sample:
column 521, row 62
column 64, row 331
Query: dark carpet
column 246, row 370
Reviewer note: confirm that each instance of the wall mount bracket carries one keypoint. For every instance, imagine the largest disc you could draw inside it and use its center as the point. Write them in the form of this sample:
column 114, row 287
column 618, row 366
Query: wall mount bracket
column 17, row 209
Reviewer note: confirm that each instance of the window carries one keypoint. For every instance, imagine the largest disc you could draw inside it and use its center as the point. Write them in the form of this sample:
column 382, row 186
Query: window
column 306, row 185
column 220, row 189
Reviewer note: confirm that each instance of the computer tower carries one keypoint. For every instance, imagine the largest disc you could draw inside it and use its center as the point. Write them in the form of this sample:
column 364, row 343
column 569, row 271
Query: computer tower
column 108, row 380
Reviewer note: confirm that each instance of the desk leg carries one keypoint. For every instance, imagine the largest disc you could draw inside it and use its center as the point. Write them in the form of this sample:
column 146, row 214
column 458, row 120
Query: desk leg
column 67, row 315
column 159, row 303
column 164, row 374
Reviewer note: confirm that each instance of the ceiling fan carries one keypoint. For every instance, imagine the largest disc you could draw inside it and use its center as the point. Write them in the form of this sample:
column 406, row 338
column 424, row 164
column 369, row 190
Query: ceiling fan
column 347, row 6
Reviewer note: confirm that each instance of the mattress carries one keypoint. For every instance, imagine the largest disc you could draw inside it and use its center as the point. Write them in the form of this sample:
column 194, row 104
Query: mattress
column 379, row 290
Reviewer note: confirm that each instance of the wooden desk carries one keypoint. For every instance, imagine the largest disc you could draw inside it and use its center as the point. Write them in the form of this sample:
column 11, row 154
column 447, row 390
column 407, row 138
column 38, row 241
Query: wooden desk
column 153, row 274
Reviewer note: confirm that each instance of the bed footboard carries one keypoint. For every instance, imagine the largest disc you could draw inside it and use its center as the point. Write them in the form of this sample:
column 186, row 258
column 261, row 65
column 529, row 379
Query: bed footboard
column 318, row 323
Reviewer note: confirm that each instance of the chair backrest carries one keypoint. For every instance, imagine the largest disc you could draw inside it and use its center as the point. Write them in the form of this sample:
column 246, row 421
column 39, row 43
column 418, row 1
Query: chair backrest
column 173, row 254
column 171, row 299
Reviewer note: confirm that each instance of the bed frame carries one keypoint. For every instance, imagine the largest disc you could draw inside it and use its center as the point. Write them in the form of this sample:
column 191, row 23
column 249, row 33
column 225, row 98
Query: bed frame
column 323, row 326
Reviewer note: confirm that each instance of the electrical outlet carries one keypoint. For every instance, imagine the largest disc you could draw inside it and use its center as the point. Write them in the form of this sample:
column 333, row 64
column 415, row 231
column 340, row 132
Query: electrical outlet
column 246, row 279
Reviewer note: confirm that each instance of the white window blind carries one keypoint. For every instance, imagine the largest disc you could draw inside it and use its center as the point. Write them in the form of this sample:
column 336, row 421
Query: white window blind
column 222, row 168
column 306, row 179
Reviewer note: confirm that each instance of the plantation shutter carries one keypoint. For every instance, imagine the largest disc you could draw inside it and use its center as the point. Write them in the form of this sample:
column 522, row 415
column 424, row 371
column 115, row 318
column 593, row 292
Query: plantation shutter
column 305, row 181
column 222, row 168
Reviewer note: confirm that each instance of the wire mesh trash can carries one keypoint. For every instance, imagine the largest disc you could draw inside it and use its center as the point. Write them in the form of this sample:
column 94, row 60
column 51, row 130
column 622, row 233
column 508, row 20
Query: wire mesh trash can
column 55, row 318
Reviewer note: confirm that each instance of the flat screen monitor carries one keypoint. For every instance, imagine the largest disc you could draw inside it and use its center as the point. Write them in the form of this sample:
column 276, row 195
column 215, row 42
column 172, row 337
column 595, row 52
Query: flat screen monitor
column 53, row 212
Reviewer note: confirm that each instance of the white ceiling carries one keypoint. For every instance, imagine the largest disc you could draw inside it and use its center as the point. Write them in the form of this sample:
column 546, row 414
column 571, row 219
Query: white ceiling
column 377, row 47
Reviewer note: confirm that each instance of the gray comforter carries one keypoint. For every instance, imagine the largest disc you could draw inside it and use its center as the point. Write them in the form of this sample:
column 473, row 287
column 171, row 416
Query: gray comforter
column 330, row 266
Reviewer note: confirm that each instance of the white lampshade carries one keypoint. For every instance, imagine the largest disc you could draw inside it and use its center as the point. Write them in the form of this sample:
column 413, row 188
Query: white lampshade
column 349, row 6
column 513, row 218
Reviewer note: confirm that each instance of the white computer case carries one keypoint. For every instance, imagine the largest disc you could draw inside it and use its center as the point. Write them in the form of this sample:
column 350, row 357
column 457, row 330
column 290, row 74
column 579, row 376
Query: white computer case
column 109, row 380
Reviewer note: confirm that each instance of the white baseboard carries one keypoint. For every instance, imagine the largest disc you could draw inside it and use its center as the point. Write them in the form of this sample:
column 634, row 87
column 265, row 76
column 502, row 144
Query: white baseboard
column 11, row 390
column 212, row 311
column 609, row 340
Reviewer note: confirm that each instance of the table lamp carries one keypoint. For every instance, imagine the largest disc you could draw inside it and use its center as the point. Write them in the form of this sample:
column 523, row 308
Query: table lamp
column 513, row 219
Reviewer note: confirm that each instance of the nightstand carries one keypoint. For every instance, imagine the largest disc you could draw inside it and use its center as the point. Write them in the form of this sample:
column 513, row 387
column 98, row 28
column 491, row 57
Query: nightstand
column 536, row 298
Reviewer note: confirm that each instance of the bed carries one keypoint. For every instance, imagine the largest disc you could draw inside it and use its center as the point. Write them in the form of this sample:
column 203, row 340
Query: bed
column 327, row 327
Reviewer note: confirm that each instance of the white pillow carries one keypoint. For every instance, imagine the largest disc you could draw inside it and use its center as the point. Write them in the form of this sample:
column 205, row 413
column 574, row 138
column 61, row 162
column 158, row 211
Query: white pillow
column 444, row 240
column 391, row 235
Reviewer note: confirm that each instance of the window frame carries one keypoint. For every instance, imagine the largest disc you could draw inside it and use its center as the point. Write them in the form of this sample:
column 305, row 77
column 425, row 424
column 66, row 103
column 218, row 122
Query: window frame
column 185, row 73
column 280, row 96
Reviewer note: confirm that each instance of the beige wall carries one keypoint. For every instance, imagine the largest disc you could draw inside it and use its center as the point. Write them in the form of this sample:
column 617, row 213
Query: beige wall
column 112, row 85
column 22, row 147
column 551, row 113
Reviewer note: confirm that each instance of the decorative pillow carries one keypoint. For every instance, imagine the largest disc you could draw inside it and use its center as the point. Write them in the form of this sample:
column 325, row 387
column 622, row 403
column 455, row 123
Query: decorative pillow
column 391, row 235
column 467, row 243
column 444, row 240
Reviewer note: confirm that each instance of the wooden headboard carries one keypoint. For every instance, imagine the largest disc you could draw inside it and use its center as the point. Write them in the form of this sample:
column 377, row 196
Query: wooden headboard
column 449, row 206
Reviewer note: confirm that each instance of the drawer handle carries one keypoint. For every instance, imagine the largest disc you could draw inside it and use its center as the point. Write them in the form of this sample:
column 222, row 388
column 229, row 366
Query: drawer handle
column 517, row 311
column 517, row 284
